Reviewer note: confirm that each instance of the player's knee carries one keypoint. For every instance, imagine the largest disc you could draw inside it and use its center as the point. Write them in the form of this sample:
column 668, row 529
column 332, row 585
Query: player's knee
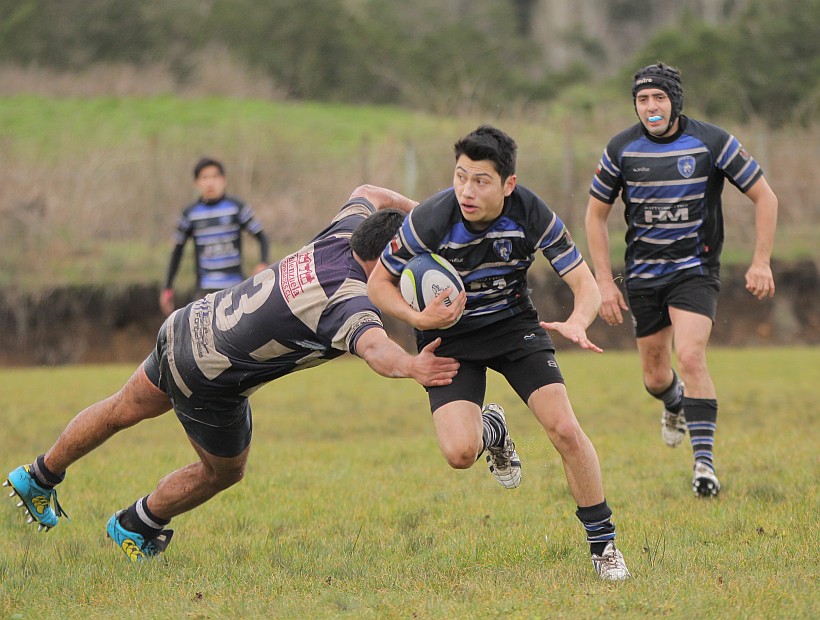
column 565, row 435
column 460, row 457
column 691, row 362
column 657, row 379
column 225, row 478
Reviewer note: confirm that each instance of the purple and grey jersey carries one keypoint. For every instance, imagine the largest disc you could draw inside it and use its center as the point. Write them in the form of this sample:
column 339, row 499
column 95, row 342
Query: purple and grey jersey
column 303, row 310
column 493, row 262
column 217, row 232
column 671, row 188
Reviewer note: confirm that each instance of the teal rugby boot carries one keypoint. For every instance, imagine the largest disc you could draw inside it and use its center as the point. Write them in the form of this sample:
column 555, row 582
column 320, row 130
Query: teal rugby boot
column 135, row 547
column 35, row 500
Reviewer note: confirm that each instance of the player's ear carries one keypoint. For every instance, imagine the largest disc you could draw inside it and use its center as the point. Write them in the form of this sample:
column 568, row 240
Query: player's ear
column 509, row 185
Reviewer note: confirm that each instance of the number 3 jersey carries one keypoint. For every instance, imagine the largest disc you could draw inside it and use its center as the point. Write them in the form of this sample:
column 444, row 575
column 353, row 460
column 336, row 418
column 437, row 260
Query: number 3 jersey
column 303, row 310
column 671, row 188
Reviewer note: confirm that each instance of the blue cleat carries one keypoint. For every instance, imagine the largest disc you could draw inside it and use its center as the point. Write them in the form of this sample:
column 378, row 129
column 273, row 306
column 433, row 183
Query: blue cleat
column 134, row 545
column 35, row 500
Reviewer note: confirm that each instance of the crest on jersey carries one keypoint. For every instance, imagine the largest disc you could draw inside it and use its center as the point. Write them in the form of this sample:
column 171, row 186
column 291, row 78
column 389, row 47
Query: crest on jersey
column 503, row 249
column 686, row 166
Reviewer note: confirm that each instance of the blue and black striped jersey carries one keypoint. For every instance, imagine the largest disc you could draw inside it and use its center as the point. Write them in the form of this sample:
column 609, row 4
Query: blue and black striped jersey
column 671, row 188
column 217, row 231
column 306, row 309
column 493, row 262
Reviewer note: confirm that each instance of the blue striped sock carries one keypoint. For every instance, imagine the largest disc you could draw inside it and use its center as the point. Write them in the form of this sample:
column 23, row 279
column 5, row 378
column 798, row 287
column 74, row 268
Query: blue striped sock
column 597, row 521
column 672, row 396
column 495, row 431
column 701, row 422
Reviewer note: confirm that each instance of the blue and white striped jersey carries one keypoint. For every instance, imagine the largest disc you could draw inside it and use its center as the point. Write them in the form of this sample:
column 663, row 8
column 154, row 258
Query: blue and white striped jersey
column 217, row 231
column 306, row 309
column 493, row 262
column 671, row 188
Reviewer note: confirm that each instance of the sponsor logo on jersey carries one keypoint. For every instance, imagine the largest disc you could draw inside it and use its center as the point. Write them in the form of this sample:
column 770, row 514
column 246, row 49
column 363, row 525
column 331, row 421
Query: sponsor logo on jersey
column 667, row 214
column 296, row 272
column 642, row 169
column 529, row 337
column 686, row 166
column 201, row 327
column 503, row 249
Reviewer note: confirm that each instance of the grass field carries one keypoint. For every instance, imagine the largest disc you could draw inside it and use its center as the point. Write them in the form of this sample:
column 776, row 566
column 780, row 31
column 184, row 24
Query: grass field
column 349, row 511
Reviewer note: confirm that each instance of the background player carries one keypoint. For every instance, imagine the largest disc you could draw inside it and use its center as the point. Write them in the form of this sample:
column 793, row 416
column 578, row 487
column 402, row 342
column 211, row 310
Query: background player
column 669, row 170
column 215, row 222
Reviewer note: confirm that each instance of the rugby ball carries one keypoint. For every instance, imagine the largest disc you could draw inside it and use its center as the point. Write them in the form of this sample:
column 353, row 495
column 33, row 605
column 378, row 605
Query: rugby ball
column 427, row 276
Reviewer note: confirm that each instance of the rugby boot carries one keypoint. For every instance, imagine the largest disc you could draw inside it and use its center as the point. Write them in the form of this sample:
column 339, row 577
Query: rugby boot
column 503, row 460
column 135, row 546
column 38, row 502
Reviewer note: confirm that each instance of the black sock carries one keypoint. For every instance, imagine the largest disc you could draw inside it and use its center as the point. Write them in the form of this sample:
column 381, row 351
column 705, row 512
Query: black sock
column 672, row 396
column 43, row 475
column 597, row 521
column 138, row 518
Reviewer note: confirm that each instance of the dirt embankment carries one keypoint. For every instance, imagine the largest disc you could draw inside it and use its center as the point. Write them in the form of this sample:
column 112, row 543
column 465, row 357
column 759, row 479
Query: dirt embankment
column 95, row 325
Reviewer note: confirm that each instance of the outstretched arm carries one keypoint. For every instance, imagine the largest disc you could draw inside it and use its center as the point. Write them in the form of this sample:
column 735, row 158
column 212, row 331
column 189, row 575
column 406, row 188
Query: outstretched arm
column 587, row 303
column 759, row 278
column 383, row 198
column 389, row 360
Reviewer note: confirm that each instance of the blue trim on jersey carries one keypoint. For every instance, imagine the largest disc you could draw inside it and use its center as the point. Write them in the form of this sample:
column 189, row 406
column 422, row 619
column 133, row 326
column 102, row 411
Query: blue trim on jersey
column 671, row 188
column 493, row 262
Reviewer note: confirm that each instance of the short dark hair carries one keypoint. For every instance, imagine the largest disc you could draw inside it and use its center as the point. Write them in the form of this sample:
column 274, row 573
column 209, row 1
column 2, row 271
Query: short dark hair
column 373, row 235
column 489, row 143
column 208, row 161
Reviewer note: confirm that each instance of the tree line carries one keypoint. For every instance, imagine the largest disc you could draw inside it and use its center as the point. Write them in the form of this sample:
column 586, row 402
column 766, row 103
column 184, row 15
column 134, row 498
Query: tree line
column 762, row 63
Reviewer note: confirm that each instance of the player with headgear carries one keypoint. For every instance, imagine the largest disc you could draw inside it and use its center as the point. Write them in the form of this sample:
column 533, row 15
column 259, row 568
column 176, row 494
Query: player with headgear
column 669, row 171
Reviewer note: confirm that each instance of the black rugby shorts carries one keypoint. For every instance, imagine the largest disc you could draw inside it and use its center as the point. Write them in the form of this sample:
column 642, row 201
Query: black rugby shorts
column 650, row 307
column 516, row 347
column 230, row 437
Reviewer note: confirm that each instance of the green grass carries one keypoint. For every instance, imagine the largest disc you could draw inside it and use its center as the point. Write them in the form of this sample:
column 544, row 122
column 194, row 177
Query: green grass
column 349, row 511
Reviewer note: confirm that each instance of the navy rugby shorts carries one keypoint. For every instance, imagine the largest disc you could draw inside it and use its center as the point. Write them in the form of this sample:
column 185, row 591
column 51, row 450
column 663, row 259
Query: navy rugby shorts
column 233, row 432
column 650, row 307
column 516, row 347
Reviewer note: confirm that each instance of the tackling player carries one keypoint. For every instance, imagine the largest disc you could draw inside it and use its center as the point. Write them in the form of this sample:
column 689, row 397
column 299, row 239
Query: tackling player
column 306, row 309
